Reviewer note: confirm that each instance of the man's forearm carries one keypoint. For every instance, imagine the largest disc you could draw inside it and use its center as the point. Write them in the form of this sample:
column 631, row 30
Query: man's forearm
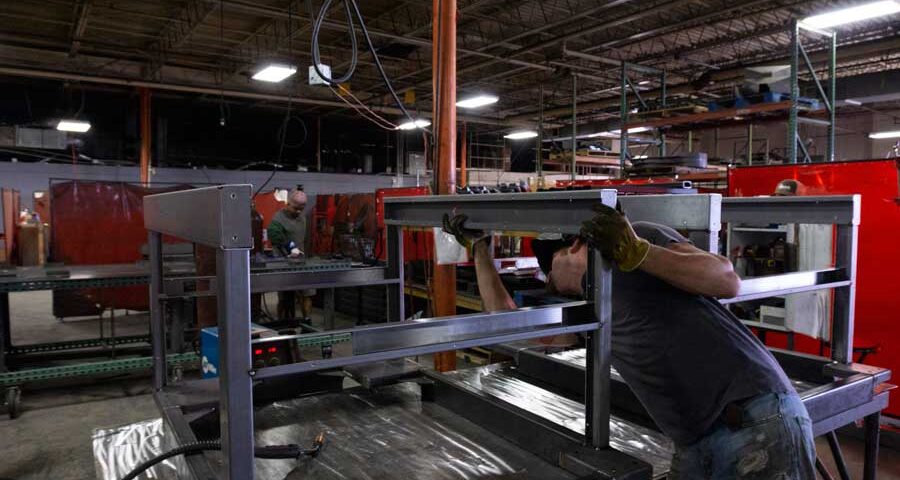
column 493, row 293
column 701, row 273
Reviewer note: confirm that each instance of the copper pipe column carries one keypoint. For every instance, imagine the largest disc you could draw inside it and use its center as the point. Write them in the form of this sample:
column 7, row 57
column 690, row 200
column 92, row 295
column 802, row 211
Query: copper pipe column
column 443, row 78
column 146, row 132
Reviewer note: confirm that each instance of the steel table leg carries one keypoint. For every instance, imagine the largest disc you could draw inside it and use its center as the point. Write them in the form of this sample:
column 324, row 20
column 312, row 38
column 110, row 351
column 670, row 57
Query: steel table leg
column 838, row 455
column 329, row 308
column 5, row 337
column 823, row 472
column 873, row 434
column 235, row 382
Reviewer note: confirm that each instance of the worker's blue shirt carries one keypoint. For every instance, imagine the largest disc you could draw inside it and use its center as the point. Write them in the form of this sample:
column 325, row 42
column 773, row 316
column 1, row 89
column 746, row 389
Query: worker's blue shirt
column 685, row 356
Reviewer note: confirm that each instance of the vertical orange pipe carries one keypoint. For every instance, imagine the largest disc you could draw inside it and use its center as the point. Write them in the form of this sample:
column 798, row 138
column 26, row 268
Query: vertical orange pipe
column 146, row 132
column 443, row 74
column 463, row 155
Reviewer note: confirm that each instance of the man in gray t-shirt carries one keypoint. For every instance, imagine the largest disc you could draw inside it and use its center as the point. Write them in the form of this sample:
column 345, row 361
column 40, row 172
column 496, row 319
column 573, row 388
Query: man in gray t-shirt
column 706, row 381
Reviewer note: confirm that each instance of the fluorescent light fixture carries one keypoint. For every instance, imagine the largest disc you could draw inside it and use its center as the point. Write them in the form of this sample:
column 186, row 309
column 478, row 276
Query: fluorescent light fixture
column 274, row 73
column 850, row 101
column 521, row 135
column 633, row 130
column 412, row 125
column 73, row 126
column 477, row 101
column 880, row 135
column 644, row 82
column 640, row 157
column 853, row 14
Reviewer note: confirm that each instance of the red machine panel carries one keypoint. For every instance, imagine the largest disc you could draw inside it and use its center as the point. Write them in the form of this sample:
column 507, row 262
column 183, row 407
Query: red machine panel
column 416, row 245
column 877, row 301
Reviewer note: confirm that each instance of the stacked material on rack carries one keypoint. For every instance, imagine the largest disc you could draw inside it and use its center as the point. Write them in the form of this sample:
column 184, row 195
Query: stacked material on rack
column 669, row 165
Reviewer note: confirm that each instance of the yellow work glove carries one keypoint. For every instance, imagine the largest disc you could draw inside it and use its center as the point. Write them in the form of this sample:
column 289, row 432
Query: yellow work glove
column 611, row 233
column 456, row 226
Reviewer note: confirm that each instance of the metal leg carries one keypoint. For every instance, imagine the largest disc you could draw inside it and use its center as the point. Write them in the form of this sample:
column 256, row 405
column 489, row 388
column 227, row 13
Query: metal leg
column 395, row 304
column 157, row 323
column 328, row 301
column 823, row 472
column 597, row 399
column 838, row 455
column 873, row 434
column 5, row 337
column 844, row 297
column 235, row 381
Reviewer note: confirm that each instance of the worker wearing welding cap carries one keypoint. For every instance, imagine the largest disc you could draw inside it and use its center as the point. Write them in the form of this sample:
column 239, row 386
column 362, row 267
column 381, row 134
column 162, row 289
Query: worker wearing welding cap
column 704, row 378
column 287, row 233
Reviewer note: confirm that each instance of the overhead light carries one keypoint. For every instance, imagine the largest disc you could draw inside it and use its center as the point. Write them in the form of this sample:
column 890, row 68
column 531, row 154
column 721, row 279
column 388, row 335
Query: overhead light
column 413, row 124
column 521, row 135
column 880, row 135
column 274, row 73
column 850, row 101
column 73, row 126
column 853, row 14
column 644, row 82
column 633, row 130
column 477, row 101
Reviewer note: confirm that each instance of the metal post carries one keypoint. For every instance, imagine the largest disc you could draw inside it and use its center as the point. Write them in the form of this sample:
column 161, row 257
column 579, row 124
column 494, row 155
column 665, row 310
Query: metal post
column 329, row 308
column 597, row 397
column 845, row 297
column 5, row 339
column 832, row 80
column 319, row 143
column 146, row 133
column 395, row 270
column 539, row 153
column 574, row 126
column 623, row 115
column 716, row 142
column 665, row 104
column 157, row 322
column 749, row 143
column 872, row 432
column 444, row 107
column 795, row 93
column 235, row 381
column 690, row 141
column 837, row 455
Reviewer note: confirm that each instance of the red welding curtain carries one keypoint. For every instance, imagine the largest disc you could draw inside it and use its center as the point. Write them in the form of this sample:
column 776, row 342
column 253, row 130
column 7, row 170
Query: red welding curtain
column 95, row 223
column 878, row 261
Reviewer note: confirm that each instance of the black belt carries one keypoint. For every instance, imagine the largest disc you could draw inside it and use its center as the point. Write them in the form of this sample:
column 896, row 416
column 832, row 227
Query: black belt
column 733, row 415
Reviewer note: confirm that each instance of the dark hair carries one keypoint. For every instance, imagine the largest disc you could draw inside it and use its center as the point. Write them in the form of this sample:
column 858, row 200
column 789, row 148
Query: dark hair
column 545, row 249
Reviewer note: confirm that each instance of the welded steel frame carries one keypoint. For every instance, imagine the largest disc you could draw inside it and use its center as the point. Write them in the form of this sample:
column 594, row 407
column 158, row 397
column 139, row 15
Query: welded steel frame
column 798, row 52
column 844, row 391
column 624, row 108
column 219, row 217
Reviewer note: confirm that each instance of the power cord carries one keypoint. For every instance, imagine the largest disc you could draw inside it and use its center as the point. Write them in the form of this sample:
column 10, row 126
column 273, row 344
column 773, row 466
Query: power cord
column 270, row 452
column 351, row 9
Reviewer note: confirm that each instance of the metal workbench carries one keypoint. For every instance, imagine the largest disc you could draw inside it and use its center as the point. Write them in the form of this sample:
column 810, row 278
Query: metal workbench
column 23, row 364
column 840, row 393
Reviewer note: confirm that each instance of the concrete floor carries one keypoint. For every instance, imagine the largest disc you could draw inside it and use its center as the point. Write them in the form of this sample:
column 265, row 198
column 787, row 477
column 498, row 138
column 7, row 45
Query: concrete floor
column 51, row 440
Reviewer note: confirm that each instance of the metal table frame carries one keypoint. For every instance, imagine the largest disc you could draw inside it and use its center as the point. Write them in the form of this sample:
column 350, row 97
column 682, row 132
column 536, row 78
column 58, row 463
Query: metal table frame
column 844, row 391
column 219, row 217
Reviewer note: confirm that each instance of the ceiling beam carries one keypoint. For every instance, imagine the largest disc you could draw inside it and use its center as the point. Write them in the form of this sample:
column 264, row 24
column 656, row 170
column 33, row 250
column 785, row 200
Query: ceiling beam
column 177, row 32
column 80, row 12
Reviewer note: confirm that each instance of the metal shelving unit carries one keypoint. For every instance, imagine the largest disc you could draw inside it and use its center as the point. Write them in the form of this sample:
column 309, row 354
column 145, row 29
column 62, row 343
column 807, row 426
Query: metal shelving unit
column 790, row 109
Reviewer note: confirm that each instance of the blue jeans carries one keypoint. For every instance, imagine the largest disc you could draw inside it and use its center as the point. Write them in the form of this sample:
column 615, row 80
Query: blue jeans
column 775, row 442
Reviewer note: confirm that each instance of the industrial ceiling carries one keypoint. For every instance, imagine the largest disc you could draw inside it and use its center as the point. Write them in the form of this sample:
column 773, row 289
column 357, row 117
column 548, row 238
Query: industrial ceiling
column 507, row 47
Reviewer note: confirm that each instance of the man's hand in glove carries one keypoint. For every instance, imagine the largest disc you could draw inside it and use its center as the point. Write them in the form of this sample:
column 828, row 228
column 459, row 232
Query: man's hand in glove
column 611, row 233
column 456, row 226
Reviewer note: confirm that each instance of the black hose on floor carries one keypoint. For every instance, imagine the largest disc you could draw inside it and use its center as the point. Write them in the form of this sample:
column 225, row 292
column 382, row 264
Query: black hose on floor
column 268, row 452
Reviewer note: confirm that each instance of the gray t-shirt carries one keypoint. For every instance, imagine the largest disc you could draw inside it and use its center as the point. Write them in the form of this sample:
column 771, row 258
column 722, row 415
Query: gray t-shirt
column 685, row 356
